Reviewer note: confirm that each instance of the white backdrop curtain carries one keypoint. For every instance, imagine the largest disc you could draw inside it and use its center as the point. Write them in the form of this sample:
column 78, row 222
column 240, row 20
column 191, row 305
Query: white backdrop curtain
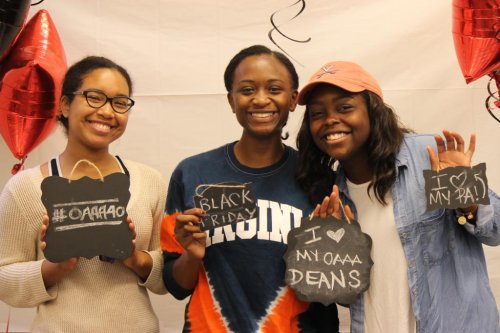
column 176, row 52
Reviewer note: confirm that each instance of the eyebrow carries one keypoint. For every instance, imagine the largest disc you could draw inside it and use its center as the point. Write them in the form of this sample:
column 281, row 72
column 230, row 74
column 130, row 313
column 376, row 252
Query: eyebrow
column 102, row 91
column 253, row 81
column 342, row 95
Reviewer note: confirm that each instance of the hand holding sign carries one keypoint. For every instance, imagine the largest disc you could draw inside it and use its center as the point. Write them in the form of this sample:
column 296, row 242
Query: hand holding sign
column 189, row 234
column 52, row 273
column 328, row 260
column 453, row 152
column 330, row 206
column 452, row 183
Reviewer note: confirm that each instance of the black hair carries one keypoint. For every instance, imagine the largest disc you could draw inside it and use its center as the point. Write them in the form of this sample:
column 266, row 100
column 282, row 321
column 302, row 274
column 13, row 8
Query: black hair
column 76, row 73
column 315, row 173
column 258, row 50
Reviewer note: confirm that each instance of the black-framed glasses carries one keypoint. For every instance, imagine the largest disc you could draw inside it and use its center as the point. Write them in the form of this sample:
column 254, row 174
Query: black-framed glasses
column 97, row 99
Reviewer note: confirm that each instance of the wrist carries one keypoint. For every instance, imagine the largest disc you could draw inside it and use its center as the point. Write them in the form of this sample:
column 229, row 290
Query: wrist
column 52, row 272
column 467, row 210
column 133, row 262
column 193, row 258
column 140, row 263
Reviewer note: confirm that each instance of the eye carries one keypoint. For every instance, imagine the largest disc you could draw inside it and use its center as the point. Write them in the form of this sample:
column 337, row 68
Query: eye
column 247, row 90
column 121, row 102
column 95, row 97
column 344, row 108
column 316, row 113
column 275, row 90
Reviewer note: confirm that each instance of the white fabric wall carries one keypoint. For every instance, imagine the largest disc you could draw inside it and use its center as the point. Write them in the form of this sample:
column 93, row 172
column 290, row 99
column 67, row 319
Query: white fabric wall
column 176, row 52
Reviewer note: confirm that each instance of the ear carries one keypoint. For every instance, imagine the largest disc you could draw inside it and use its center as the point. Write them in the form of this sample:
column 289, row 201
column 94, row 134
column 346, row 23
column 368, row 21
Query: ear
column 293, row 102
column 64, row 106
column 230, row 101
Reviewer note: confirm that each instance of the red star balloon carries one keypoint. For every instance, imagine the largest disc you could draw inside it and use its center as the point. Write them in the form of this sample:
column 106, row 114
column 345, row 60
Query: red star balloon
column 13, row 14
column 476, row 33
column 30, row 88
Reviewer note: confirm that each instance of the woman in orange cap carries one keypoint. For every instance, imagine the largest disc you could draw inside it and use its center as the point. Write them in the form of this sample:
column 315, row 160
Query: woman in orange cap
column 429, row 272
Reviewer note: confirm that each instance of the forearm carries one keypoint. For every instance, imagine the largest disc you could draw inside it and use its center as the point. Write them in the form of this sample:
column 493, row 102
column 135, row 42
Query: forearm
column 23, row 286
column 185, row 271
column 52, row 273
column 487, row 226
column 140, row 263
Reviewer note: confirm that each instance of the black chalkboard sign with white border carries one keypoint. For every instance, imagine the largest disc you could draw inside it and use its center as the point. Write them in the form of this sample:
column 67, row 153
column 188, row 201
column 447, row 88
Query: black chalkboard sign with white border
column 87, row 217
column 456, row 187
column 225, row 203
column 328, row 260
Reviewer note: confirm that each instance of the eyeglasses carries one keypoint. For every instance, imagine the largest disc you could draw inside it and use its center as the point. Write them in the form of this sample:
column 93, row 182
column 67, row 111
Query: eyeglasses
column 97, row 99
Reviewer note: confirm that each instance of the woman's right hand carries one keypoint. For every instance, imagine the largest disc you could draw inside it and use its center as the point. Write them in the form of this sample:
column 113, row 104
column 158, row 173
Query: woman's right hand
column 52, row 273
column 330, row 206
column 189, row 234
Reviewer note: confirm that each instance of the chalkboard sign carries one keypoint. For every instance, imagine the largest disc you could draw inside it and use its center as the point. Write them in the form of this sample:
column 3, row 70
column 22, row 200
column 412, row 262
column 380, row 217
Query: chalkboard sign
column 225, row 203
column 87, row 217
column 456, row 187
column 328, row 260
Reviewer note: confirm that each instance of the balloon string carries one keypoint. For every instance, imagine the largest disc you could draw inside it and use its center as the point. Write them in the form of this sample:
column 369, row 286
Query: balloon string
column 18, row 166
column 88, row 162
column 493, row 101
column 8, row 322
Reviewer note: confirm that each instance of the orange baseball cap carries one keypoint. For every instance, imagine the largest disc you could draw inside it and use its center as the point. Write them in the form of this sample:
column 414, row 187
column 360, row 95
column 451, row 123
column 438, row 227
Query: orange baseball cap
column 343, row 74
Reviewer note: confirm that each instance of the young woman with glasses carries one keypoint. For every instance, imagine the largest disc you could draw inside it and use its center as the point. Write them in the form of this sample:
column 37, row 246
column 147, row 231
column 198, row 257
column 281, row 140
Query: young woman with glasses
column 79, row 294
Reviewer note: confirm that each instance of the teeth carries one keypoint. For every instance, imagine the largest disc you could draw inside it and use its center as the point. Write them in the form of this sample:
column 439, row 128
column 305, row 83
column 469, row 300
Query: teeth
column 335, row 136
column 101, row 127
column 262, row 114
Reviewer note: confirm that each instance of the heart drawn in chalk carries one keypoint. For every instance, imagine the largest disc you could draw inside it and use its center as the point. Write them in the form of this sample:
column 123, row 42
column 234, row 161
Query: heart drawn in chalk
column 458, row 180
column 336, row 235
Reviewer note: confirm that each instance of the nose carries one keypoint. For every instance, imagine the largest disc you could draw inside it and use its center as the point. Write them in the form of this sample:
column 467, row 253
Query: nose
column 261, row 97
column 331, row 118
column 106, row 110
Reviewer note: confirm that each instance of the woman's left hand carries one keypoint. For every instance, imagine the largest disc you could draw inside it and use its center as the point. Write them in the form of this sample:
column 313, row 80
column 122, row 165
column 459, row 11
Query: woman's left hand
column 139, row 262
column 131, row 226
column 452, row 153
column 330, row 206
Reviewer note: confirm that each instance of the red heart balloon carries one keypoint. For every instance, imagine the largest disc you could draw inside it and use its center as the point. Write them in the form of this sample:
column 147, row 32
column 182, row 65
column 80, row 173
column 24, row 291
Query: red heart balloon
column 31, row 76
column 12, row 18
column 476, row 26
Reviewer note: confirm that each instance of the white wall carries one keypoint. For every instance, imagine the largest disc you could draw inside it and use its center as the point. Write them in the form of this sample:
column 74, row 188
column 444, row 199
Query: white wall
column 177, row 51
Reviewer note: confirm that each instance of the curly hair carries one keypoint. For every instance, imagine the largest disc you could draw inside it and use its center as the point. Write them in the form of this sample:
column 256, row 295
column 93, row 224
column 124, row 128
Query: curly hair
column 315, row 173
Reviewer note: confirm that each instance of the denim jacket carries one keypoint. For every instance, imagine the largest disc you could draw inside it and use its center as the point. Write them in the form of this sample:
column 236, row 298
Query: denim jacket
column 447, row 275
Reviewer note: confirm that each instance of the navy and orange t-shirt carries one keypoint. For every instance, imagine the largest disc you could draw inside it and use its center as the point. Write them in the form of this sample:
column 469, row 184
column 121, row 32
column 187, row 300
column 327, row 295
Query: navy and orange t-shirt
column 241, row 285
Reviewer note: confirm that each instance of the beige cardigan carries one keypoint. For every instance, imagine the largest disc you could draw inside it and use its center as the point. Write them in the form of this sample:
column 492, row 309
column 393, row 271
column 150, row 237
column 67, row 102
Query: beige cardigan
column 97, row 296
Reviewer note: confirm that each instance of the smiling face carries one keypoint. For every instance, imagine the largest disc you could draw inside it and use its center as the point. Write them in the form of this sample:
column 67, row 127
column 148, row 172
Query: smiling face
column 262, row 95
column 339, row 123
column 90, row 128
